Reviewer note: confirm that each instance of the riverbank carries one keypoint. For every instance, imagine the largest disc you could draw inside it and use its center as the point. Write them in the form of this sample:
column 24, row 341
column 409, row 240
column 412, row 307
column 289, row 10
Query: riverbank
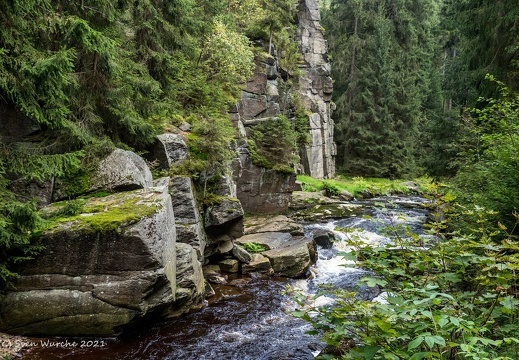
column 363, row 188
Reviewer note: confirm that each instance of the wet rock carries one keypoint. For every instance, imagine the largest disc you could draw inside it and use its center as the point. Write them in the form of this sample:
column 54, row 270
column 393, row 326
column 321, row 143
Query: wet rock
column 216, row 279
column 229, row 265
column 121, row 171
column 209, row 291
column 293, row 260
column 241, row 254
column 324, row 238
column 258, row 264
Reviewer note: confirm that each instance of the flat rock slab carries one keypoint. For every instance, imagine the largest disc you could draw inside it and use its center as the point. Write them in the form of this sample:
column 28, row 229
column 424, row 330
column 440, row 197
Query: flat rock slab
column 279, row 223
column 271, row 240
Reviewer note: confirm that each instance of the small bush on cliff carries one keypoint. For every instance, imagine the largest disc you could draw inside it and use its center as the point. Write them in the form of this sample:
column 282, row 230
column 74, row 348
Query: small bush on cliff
column 272, row 144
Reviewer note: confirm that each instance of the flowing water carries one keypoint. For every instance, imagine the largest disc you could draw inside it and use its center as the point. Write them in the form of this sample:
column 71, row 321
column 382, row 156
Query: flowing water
column 248, row 319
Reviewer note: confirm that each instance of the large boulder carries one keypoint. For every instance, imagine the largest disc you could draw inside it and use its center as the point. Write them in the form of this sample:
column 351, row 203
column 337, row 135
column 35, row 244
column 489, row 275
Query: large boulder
column 169, row 149
column 122, row 170
column 286, row 255
column 294, row 259
column 101, row 270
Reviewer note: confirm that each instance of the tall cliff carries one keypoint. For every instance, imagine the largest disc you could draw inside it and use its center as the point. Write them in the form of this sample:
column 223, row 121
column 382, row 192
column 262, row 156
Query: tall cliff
column 317, row 158
column 270, row 93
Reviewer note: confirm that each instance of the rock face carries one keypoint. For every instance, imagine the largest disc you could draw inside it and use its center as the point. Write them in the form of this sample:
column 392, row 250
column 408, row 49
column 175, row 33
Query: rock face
column 265, row 191
column 187, row 218
column 98, row 274
column 122, row 170
column 169, row 149
column 318, row 158
column 261, row 190
column 190, row 291
column 27, row 190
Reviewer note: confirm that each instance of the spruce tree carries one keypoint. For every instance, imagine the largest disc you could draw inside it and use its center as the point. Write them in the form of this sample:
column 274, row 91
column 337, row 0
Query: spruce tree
column 381, row 54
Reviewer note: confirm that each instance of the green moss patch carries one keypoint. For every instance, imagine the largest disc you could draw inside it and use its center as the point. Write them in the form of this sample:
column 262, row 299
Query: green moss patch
column 112, row 212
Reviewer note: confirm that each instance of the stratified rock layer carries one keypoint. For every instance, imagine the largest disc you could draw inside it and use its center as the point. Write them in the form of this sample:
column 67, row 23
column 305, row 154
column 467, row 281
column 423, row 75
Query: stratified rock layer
column 96, row 275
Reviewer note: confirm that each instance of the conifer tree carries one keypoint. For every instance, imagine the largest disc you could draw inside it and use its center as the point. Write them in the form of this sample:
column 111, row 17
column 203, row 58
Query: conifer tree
column 381, row 54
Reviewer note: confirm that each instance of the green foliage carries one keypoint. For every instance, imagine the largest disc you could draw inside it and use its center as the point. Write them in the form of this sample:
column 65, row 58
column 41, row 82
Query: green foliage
column 453, row 296
column 359, row 186
column 330, row 189
column 382, row 55
column 105, row 213
column 253, row 247
column 19, row 222
column 69, row 208
column 272, row 144
column 487, row 175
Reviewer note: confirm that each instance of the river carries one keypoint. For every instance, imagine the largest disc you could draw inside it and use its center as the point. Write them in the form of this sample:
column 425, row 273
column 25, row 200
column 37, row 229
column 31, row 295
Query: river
column 248, row 319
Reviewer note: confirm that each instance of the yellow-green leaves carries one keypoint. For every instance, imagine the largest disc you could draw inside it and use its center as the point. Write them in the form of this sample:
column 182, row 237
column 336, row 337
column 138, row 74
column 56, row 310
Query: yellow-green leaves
column 228, row 54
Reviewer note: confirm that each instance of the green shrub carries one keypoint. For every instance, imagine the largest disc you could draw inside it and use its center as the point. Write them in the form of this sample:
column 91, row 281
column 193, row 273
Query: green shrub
column 253, row 247
column 272, row 144
column 449, row 297
column 330, row 189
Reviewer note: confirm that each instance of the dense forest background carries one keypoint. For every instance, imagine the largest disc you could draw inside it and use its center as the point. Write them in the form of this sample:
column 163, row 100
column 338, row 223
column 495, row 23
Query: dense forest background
column 428, row 87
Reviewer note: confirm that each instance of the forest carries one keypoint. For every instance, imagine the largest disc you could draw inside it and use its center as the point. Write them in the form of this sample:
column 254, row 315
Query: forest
column 430, row 87
column 423, row 88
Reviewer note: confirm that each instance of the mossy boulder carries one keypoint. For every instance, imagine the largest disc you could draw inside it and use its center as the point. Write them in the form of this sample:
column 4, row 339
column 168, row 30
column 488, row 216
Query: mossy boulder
column 100, row 270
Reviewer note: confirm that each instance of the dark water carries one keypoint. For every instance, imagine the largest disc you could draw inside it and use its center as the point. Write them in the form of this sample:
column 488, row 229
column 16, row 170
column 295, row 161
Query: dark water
column 249, row 319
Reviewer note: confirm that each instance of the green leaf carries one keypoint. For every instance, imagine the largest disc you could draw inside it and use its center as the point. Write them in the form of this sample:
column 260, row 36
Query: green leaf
column 429, row 340
column 369, row 352
column 439, row 340
column 421, row 355
column 509, row 302
column 372, row 282
column 415, row 343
